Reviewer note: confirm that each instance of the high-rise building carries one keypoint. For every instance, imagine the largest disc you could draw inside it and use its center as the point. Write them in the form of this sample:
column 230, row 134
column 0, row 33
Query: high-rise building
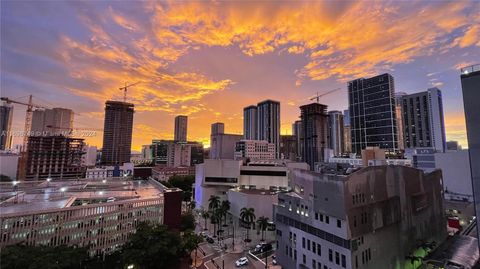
column 372, row 113
column 6, row 114
column 400, row 122
column 268, row 118
column 335, row 219
column 423, row 123
column 217, row 128
column 347, row 134
column 171, row 153
column 56, row 157
column 222, row 146
column 250, row 124
column 470, row 78
column 335, row 127
column 53, row 121
column 254, row 150
column 315, row 131
column 289, row 147
column 180, row 134
column 117, row 133
column 297, row 131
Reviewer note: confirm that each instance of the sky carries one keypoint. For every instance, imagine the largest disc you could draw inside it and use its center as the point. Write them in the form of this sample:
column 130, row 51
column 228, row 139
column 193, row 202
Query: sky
column 209, row 59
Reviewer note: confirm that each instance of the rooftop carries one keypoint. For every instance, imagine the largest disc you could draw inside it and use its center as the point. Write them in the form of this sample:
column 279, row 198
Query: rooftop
column 25, row 197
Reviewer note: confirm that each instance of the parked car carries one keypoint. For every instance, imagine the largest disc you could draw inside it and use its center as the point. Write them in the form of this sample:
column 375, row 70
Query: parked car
column 274, row 260
column 241, row 262
column 210, row 240
column 263, row 247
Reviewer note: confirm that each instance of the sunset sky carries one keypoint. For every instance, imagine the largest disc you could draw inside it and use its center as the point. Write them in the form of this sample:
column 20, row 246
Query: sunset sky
column 208, row 60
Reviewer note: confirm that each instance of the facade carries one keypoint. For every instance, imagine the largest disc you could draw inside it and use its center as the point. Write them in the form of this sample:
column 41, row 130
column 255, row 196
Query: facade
column 423, row 122
column 117, row 133
column 335, row 128
column 372, row 113
column 147, row 152
column 254, row 150
column 90, row 156
column 6, row 114
column 297, row 131
column 174, row 154
column 9, row 164
column 99, row 217
column 217, row 128
column 160, row 173
column 315, row 133
column 55, row 121
column 372, row 218
column 222, row 145
column 103, row 172
column 289, row 147
column 56, row 157
column 250, row 124
column 347, row 135
column 180, row 133
column 268, row 122
column 457, row 176
column 400, row 121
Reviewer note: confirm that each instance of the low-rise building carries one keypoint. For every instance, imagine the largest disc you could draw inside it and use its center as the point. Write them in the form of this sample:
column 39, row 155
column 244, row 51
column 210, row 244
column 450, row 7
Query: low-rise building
column 99, row 216
column 102, row 172
column 254, row 150
column 9, row 164
column 375, row 217
column 162, row 173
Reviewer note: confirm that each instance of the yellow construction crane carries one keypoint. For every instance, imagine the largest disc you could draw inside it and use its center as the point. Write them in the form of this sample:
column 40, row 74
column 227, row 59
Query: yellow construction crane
column 28, row 116
column 125, row 88
column 317, row 97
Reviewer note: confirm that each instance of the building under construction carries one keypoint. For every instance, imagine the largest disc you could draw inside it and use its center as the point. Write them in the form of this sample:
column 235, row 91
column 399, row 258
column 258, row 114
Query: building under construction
column 55, row 157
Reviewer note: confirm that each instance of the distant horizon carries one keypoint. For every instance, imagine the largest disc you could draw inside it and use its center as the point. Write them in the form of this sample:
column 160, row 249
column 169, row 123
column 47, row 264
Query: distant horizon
column 209, row 60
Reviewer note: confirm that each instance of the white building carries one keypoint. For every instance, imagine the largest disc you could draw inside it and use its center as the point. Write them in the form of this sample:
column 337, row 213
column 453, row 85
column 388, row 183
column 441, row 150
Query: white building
column 254, row 150
column 455, row 166
column 90, row 156
column 9, row 164
column 125, row 170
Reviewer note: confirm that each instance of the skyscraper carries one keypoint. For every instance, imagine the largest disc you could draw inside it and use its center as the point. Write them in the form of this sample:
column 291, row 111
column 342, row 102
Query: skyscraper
column 400, row 123
column 117, row 133
column 53, row 121
column 250, row 123
column 423, row 123
column 217, row 128
column 180, row 134
column 471, row 94
column 315, row 131
column 6, row 114
column 268, row 118
column 372, row 113
column 297, row 131
column 335, row 127
column 347, row 134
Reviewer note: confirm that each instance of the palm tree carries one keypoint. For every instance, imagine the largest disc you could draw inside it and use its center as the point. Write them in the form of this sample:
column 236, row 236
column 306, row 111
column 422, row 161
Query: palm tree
column 213, row 202
column 205, row 216
column 225, row 206
column 247, row 215
column 215, row 218
column 262, row 225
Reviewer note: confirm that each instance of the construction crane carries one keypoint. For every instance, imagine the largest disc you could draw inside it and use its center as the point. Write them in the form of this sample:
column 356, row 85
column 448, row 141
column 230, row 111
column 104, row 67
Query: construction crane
column 317, row 97
column 28, row 116
column 125, row 88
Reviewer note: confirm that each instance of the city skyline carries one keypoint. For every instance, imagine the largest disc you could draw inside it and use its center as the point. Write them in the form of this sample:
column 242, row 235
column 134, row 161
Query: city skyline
column 209, row 61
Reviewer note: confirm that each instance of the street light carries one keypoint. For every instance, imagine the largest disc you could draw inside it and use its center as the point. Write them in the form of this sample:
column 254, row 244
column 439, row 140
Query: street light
column 63, row 190
column 15, row 188
column 48, row 181
column 104, row 181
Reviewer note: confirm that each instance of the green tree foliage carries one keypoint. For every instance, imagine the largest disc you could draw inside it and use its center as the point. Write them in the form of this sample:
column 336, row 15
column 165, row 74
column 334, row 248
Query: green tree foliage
column 247, row 215
column 39, row 257
column 187, row 221
column 153, row 246
column 263, row 224
column 4, row 178
column 182, row 182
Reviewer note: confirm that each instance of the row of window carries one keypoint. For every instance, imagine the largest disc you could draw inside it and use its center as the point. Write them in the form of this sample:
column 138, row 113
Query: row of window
column 326, row 219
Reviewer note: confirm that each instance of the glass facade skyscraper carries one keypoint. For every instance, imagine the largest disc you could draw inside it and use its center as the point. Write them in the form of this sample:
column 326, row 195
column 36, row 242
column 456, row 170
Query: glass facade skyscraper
column 372, row 113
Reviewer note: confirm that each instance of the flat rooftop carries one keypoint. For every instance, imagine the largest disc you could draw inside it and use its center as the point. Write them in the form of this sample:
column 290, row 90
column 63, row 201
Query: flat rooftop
column 28, row 197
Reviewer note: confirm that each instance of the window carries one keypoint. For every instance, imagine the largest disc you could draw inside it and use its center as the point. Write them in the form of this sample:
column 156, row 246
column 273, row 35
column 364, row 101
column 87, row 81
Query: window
column 295, row 255
column 304, row 259
column 344, row 261
column 314, row 247
column 321, row 217
column 303, row 242
column 356, row 261
column 319, row 250
column 327, row 219
column 339, row 223
column 337, row 257
column 316, row 215
column 286, row 250
column 354, row 221
column 314, row 264
column 308, row 244
column 330, row 255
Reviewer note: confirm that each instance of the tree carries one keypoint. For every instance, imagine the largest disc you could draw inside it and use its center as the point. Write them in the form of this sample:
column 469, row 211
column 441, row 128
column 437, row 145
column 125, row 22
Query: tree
column 5, row 178
column 225, row 206
column 213, row 202
column 247, row 215
column 39, row 257
column 153, row 246
column 205, row 216
column 262, row 225
column 190, row 242
column 215, row 218
column 187, row 222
